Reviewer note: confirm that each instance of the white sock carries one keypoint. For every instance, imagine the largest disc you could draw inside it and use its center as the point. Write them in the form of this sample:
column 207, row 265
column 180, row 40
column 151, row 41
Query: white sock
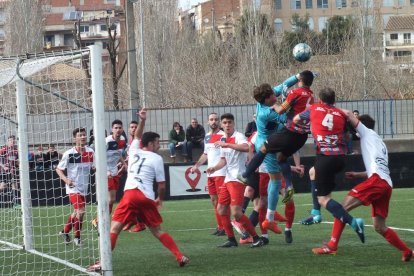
column 270, row 215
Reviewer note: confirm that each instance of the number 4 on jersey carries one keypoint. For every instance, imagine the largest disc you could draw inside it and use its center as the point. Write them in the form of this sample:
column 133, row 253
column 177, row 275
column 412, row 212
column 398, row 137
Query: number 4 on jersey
column 328, row 121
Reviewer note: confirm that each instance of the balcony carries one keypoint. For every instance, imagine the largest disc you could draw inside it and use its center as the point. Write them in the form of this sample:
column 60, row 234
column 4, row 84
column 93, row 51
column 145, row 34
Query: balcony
column 398, row 43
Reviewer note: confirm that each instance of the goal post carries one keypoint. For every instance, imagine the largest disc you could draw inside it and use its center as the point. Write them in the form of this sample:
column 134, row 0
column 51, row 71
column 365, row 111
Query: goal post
column 44, row 97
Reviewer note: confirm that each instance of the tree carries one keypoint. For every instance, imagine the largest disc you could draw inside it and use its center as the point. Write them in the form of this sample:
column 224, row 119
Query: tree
column 338, row 31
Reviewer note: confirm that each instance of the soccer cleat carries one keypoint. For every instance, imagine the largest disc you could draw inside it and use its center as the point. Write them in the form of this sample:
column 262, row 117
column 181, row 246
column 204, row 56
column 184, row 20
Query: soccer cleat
column 278, row 217
column 272, row 226
column 258, row 242
column 96, row 267
column 228, row 244
column 407, row 256
column 246, row 240
column 242, row 179
column 238, row 227
column 65, row 237
column 94, row 223
column 359, row 229
column 77, row 242
column 288, row 194
column 126, row 227
column 184, row 261
column 265, row 240
column 288, row 236
column 138, row 228
column 312, row 219
column 324, row 250
column 221, row 233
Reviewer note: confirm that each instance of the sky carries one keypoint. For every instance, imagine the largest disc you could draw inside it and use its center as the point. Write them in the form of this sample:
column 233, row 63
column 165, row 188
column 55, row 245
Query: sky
column 186, row 4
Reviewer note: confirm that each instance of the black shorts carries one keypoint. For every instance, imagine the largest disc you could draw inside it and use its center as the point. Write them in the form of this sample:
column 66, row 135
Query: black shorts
column 286, row 142
column 253, row 182
column 326, row 167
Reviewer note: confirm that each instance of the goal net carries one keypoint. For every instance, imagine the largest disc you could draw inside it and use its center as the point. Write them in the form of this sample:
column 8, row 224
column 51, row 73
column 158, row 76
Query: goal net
column 43, row 99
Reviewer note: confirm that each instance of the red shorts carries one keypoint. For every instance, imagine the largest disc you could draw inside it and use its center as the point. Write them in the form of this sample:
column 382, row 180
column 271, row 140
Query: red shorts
column 135, row 206
column 232, row 193
column 214, row 184
column 113, row 183
column 264, row 179
column 374, row 191
column 77, row 200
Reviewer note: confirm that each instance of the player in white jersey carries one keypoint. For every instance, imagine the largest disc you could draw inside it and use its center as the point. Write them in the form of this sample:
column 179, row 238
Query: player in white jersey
column 211, row 154
column 139, row 200
column 78, row 162
column 234, row 156
column 376, row 190
column 115, row 148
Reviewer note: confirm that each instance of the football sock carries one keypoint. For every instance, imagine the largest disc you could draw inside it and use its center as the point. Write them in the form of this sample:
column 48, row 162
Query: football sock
column 316, row 205
column 393, row 239
column 262, row 217
column 339, row 212
column 169, row 243
column 68, row 225
column 218, row 219
column 254, row 163
column 272, row 197
column 114, row 237
column 337, row 228
column 76, row 227
column 287, row 174
column 290, row 213
column 246, row 201
column 228, row 228
column 247, row 225
column 254, row 218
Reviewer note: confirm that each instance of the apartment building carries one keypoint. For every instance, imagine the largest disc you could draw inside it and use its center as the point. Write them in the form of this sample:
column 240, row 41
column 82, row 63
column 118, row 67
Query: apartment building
column 399, row 39
column 3, row 6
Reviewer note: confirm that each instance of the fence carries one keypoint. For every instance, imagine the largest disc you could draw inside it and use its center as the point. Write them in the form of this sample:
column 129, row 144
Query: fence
column 394, row 119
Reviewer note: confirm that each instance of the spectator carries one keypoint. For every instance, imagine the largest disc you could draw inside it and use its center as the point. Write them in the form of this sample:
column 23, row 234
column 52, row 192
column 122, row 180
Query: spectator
column 351, row 135
column 91, row 142
column 251, row 127
column 39, row 159
column 195, row 134
column 51, row 158
column 176, row 139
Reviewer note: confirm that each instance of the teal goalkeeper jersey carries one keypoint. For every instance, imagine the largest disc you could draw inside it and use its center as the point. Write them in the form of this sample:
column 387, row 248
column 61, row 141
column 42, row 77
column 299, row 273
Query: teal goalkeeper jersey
column 268, row 121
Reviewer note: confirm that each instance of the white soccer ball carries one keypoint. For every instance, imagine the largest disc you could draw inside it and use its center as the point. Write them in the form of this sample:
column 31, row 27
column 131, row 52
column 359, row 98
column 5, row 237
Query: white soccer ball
column 302, row 52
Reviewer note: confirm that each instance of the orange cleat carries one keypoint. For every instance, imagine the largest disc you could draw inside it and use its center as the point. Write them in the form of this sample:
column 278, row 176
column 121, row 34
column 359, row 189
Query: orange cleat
column 272, row 226
column 280, row 218
column 407, row 256
column 324, row 250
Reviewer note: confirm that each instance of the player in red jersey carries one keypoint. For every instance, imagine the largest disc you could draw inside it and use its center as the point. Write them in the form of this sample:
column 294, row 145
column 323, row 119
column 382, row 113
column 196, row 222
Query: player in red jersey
column 211, row 154
column 328, row 130
column 233, row 156
column 376, row 190
column 9, row 169
column 292, row 137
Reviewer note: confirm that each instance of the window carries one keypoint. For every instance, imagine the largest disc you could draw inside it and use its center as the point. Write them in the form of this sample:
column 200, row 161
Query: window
column 308, row 4
column 2, row 16
column 104, row 28
column 84, row 29
column 387, row 3
column 412, row 2
column 402, row 55
column 407, row 38
column 86, row 44
column 340, row 4
column 257, row 4
column 278, row 25
column 278, row 4
column 322, row 4
column 68, row 39
column 322, row 21
column 394, row 36
column 49, row 41
column 311, row 24
column 2, row 34
column 295, row 4
column 401, row 3
column 72, row 15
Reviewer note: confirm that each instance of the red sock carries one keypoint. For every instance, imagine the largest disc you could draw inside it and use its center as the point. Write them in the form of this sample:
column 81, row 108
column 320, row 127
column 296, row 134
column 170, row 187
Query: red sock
column 247, row 224
column 68, row 225
column 225, row 220
column 393, row 239
column 110, row 209
column 337, row 229
column 218, row 219
column 290, row 213
column 114, row 237
column 168, row 242
column 76, row 227
column 262, row 217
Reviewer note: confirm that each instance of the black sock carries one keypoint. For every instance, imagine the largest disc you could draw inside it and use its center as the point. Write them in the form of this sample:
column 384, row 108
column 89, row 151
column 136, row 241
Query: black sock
column 246, row 201
column 254, row 164
column 316, row 205
column 339, row 212
column 254, row 218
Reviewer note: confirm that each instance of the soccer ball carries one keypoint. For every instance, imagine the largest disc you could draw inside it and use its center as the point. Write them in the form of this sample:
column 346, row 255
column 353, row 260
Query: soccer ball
column 302, row 52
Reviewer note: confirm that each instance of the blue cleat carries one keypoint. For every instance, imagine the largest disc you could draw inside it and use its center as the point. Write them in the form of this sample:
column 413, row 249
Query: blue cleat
column 359, row 228
column 314, row 218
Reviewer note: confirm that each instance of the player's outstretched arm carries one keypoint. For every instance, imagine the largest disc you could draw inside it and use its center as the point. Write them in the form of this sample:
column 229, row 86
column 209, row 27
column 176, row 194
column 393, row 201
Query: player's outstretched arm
column 201, row 161
column 282, row 88
column 351, row 117
column 142, row 114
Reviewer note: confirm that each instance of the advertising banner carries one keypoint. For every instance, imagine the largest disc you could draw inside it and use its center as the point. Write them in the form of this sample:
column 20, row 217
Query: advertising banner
column 185, row 183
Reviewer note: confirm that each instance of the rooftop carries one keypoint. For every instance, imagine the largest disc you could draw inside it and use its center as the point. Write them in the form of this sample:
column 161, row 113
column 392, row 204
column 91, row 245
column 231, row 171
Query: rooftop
column 400, row 22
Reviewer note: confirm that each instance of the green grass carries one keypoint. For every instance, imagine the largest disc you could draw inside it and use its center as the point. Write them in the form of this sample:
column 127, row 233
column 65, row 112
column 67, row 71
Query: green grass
column 191, row 222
